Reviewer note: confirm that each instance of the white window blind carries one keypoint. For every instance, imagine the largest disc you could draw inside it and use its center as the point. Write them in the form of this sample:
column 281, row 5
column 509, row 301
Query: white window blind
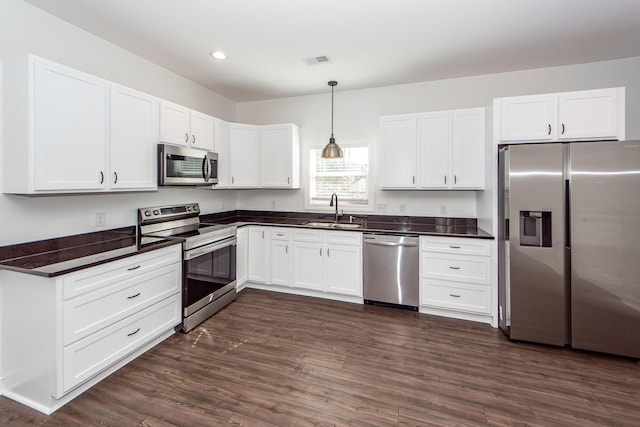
column 347, row 177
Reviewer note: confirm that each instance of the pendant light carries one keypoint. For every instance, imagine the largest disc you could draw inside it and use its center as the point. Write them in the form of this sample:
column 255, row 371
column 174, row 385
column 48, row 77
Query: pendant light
column 332, row 150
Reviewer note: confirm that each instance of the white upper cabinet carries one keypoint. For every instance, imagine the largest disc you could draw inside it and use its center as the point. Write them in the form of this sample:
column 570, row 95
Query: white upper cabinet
column 244, row 155
column 430, row 151
column 133, row 135
column 398, row 140
column 280, row 156
column 182, row 126
column 576, row 116
column 68, row 129
column 221, row 146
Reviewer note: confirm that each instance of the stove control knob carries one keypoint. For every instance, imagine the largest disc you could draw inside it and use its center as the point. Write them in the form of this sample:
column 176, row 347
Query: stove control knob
column 156, row 212
column 147, row 213
column 188, row 208
column 195, row 208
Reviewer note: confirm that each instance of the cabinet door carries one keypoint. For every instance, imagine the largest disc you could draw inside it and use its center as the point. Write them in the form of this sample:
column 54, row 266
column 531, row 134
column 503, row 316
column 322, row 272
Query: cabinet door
column 133, row 135
column 69, row 129
column 398, row 148
column 244, row 155
column 467, row 149
column 281, row 262
column 343, row 270
column 174, row 123
column 277, row 156
column 202, row 131
column 258, row 255
column 528, row 118
column 242, row 256
column 308, row 265
column 221, row 146
column 434, row 149
column 589, row 114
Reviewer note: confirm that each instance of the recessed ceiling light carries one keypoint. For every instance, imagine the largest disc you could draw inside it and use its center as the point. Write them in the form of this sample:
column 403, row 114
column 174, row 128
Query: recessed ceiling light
column 218, row 54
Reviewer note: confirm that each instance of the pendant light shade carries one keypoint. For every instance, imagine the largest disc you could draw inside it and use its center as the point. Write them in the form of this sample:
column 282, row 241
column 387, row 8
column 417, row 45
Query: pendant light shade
column 332, row 150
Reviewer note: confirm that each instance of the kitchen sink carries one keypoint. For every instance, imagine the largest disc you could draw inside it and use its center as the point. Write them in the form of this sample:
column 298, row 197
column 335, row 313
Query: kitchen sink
column 333, row 224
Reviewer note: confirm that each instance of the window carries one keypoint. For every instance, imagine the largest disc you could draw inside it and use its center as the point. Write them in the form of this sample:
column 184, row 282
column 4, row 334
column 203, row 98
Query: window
column 347, row 177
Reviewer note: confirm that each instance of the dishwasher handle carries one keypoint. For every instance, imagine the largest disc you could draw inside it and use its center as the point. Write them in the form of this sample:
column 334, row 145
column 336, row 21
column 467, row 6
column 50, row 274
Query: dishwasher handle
column 404, row 244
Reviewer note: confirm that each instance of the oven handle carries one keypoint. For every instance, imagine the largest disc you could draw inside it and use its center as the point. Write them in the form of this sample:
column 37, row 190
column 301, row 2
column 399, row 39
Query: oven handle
column 203, row 250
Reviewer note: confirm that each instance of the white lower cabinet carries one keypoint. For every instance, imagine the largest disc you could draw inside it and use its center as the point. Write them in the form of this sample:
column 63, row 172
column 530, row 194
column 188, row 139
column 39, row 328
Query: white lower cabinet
column 455, row 278
column 242, row 253
column 63, row 334
column 323, row 263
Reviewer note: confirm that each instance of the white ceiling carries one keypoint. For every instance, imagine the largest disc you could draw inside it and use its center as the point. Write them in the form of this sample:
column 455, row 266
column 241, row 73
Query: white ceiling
column 371, row 43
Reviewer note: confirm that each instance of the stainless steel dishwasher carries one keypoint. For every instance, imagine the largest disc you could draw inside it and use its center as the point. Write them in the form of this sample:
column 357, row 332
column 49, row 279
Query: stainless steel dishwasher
column 391, row 270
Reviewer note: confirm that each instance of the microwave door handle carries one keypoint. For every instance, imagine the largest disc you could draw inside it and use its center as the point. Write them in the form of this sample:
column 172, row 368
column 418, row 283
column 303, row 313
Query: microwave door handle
column 205, row 168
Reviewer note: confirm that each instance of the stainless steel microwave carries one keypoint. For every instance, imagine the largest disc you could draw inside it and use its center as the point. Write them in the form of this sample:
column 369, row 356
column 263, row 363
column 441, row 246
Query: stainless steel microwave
column 186, row 166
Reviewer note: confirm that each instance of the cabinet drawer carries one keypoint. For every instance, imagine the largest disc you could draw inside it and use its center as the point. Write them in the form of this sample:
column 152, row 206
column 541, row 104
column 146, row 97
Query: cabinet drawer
column 93, row 311
column 97, row 277
column 307, row 235
column 87, row 357
column 460, row 246
column 344, row 238
column 461, row 268
column 280, row 234
column 456, row 296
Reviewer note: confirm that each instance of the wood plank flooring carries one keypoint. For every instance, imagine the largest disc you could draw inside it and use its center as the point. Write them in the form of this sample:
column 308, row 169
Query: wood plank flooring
column 272, row 359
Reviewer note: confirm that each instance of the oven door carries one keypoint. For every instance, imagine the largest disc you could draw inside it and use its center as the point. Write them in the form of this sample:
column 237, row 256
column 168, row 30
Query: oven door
column 209, row 273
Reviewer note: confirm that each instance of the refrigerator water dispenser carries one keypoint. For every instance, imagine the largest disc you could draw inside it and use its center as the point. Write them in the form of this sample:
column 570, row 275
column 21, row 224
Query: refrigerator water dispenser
column 535, row 228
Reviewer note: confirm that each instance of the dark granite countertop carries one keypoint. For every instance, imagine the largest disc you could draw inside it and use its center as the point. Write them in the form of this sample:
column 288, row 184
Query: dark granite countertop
column 55, row 257
column 432, row 226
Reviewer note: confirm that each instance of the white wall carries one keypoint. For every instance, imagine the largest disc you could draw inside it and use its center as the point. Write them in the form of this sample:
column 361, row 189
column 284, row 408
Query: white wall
column 26, row 29
column 357, row 114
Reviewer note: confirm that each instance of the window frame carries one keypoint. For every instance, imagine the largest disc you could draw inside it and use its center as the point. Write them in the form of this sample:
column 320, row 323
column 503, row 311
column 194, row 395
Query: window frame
column 344, row 205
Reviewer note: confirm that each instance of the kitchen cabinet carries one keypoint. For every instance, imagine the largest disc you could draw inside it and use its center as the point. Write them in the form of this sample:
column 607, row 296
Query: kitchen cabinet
column 67, row 130
column 133, row 135
column 221, row 147
column 258, row 261
column 244, row 156
column 87, row 324
column 182, row 126
column 279, row 156
column 569, row 116
column 242, row 254
column 438, row 150
column 455, row 278
column 280, row 256
column 328, row 261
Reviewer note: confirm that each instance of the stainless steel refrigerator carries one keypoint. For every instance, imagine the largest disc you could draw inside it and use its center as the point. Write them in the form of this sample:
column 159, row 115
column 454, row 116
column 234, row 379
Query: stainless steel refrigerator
column 569, row 244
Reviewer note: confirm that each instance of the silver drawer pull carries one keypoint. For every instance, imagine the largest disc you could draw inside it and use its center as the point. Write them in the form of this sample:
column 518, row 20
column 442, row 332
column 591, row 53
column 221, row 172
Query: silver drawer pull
column 454, row 295
column 134, row 332
column 454, row 268
column 134, row 296
column 454, row 247
column 134, row 268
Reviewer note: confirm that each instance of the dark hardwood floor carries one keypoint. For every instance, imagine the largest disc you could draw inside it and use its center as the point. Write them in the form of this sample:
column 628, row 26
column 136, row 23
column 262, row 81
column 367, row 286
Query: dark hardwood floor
column 282, row 360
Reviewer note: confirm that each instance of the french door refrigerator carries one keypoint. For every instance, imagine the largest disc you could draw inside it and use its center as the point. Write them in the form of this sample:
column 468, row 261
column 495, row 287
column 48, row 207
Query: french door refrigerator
column 569, row 247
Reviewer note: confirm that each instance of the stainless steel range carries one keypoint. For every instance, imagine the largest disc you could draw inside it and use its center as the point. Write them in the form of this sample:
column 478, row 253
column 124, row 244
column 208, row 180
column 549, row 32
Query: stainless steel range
column 209, row 257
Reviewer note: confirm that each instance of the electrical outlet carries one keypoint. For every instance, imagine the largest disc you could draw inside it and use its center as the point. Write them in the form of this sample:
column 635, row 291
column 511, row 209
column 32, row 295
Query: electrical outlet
column 403, row 208
column 101, row 219
column 273, row 204
column 381, row 207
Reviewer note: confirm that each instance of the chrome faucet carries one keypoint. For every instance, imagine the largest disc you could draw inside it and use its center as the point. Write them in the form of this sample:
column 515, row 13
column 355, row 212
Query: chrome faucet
column 338, row 215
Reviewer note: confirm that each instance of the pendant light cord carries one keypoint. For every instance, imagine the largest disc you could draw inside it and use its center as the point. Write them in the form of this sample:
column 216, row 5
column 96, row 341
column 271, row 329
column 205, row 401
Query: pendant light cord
column 332, row 110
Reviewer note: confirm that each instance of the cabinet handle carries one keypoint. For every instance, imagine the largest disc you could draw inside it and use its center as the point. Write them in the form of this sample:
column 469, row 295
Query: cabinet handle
column 454, row 295
column 101, row 177
column 115, row 177
column 549, row 131
column 186, row 137
column 455, row 179
column 232, row 180
column 320, row 251
column 454, row 268
column 134, row 268
column 134, row 296
column 562, row 129
column 445, row 179
column 288, row 180
column 454, row 247
column 134, row 332
column 413, row 179
column 286, row 249
column 328, row 252
column 263, row 234
column 193, row 140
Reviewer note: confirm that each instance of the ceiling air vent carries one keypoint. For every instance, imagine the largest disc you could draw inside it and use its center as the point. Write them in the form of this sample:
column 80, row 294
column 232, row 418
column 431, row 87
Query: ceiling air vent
column 317, row 60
